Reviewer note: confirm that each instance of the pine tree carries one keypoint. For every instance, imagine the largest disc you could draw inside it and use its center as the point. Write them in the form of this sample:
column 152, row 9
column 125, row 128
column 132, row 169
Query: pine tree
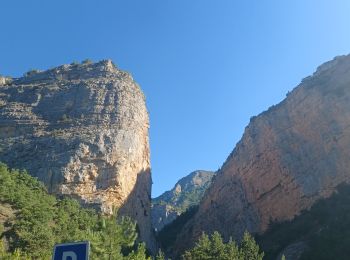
column 201, row 249
column 139, row 254
column 213, row 248
column 43, row 220
column 2, row 244
column 232, row 251
column 249, row 249
column 160, row 255
column 217, row 247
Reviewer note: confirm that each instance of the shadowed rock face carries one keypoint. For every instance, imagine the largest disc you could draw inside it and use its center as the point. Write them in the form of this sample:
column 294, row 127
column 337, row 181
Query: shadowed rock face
column 83, row 130
column 289, row 156
column 187, row 192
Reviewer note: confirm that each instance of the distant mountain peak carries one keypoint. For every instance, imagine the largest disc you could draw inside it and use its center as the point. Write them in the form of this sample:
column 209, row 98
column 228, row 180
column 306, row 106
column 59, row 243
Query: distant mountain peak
column 187, row 192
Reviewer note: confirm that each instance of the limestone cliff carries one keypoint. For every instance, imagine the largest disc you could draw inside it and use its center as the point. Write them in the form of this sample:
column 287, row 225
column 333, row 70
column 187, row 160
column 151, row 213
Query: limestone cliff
column 289, row 156
column 82, row 129
column 187, row 192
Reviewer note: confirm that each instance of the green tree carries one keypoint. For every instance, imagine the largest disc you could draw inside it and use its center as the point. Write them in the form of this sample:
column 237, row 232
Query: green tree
column 2, row 244
column 160, row 255
column 249, row 249
column 112, row 236
column 217, row 246
column 201, row 249
column 72, row 221
column 213, row 247
column 42, row 220
column 232, row 250
column 87, row 61
column 138, row 254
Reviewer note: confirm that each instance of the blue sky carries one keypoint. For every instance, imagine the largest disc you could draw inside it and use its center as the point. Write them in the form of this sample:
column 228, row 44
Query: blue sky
column 205, row 66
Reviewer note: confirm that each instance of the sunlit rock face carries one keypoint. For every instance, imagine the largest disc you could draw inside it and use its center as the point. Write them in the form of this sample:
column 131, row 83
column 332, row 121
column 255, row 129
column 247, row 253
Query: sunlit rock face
column 82, row 129
column 289, row 156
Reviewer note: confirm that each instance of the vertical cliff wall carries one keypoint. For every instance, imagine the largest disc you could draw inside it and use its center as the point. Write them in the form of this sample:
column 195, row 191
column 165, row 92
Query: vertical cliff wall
column 289, row 156
column 82, row 129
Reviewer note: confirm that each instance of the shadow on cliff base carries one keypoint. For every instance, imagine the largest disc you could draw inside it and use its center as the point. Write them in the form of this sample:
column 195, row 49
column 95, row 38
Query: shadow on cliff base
column 322, row 232
column 138, row 207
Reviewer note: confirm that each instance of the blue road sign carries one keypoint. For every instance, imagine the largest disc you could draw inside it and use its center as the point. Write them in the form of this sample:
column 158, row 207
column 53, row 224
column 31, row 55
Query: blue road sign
column 71, row 251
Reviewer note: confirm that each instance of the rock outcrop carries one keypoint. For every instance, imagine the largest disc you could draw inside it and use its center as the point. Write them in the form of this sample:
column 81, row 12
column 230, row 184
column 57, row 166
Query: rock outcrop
column 186, row 193
column 82, row 129
column 289, row 157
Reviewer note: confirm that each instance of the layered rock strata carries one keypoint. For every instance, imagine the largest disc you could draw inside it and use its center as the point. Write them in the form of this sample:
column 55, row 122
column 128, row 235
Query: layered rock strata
column 82, row 129
column 289, row 157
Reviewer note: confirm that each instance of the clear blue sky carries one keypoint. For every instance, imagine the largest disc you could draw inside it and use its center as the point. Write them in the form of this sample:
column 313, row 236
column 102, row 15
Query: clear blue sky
column 205, row 66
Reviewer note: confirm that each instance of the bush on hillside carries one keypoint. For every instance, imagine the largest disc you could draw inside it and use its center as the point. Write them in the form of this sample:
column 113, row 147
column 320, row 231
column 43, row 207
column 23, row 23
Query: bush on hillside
column 41, row 220
column 324, row 228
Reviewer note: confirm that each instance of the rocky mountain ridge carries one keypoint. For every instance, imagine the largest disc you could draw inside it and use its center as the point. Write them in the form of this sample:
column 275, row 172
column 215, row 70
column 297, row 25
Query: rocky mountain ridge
column 186, row 193
column 289, row 157
column 82, row 129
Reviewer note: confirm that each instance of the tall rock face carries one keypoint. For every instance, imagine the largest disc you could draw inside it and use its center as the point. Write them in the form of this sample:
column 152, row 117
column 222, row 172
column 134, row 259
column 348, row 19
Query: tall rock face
column 82, row 129
column 289, row 156
column 186, row 193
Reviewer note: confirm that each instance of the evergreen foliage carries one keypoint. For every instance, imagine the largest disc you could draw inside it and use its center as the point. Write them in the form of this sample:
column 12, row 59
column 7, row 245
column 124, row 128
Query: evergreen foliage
column 42, row 220
column 160, row 255
column 324, row 228
column 213, row 248
column 167, row 236
column 87, row 61
column 249, row 249
column 31, row 72
column 332, row 238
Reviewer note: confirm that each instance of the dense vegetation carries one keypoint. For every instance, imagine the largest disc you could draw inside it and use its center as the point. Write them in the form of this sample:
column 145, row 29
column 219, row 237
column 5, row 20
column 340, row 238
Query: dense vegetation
column 213, row 248
column 168, row 234
column 325, row 229
column 209, row 247
column 41, row 220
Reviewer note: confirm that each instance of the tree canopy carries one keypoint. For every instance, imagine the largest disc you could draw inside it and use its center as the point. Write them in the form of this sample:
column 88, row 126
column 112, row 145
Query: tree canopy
column 213, row 248
column 41, row 220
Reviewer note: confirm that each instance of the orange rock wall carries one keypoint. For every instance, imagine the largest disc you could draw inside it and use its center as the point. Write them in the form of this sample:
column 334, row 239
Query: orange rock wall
column 289, row 156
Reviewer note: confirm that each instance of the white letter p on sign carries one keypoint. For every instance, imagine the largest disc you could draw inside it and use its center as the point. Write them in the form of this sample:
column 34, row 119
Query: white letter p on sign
column 70, row 254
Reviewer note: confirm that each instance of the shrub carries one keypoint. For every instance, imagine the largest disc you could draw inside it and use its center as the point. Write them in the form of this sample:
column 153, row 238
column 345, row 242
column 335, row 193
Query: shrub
column 31, row 72
column 87, row 61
